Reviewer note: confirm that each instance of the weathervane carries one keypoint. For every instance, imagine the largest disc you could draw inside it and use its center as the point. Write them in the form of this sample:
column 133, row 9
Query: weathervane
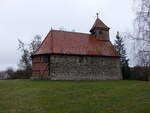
column 97, row 14
column 51, row 28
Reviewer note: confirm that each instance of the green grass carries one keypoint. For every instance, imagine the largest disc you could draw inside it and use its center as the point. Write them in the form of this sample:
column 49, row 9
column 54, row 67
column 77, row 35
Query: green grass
column 27, row 96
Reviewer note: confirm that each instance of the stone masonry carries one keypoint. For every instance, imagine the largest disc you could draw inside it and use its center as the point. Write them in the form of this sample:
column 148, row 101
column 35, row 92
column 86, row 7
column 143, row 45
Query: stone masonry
column 76, row 67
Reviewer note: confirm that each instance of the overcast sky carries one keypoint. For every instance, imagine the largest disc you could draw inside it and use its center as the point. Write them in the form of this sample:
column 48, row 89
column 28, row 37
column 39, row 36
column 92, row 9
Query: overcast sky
column 24, row 19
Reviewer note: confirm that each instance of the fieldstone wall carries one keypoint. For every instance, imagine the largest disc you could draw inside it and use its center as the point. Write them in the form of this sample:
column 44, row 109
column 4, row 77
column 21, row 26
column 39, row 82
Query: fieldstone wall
column 69, row 67
column 65, row 67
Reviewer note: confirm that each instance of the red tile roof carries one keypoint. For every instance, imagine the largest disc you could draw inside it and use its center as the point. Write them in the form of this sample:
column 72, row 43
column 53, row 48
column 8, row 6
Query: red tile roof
column 62, row 42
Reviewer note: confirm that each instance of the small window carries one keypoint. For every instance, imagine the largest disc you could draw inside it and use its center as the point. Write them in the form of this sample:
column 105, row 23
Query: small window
column 45, row 59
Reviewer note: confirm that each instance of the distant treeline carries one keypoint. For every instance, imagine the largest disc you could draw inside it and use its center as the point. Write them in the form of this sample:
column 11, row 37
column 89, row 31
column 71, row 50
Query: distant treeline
column 19, row 74
column 139, row 73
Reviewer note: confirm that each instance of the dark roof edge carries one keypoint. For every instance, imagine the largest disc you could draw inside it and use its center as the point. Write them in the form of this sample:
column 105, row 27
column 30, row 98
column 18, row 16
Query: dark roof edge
column 106, row 28
column 72, row 54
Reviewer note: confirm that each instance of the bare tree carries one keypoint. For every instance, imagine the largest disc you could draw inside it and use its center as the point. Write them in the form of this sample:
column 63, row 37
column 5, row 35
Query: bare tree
column 141, row 36
column 27, row 50
column 25, row 61
column 140, row 39
column 35, row 43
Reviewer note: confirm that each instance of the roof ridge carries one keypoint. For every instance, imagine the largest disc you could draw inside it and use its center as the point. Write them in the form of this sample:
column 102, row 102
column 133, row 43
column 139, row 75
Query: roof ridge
column 72, row 32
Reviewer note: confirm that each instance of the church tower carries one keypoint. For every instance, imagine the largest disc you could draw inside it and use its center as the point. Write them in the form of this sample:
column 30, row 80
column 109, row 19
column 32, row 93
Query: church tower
column 100, row 30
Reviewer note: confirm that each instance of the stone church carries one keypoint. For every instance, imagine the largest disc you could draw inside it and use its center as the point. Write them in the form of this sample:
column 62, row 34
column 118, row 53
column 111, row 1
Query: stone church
column 77, row 56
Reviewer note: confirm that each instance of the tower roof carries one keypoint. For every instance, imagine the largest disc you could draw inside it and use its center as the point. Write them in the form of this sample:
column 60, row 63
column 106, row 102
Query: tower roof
column 98, row 24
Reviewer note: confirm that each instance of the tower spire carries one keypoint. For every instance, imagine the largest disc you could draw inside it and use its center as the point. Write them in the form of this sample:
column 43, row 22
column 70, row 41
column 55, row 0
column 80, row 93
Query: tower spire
column 98, row 24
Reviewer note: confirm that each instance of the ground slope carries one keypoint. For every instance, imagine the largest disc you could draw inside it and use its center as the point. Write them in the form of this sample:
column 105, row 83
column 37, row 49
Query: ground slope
column 27, row 96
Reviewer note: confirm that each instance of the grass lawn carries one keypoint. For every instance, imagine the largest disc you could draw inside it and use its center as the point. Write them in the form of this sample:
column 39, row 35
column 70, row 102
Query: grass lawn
column 27, row 96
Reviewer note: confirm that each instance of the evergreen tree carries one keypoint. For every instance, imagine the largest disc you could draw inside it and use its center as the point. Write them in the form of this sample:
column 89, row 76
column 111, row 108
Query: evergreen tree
column 119, row 45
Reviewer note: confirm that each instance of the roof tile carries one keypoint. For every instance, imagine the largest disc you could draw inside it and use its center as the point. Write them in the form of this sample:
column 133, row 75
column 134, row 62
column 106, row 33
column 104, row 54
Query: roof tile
column 61, row 42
